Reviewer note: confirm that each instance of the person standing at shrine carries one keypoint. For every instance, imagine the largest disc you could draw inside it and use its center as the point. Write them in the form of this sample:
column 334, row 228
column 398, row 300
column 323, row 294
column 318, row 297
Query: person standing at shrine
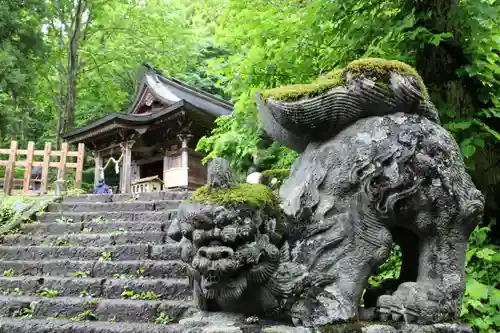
column 101, row 188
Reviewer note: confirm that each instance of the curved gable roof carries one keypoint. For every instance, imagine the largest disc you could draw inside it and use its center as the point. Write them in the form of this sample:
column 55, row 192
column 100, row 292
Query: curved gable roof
column 172, row 93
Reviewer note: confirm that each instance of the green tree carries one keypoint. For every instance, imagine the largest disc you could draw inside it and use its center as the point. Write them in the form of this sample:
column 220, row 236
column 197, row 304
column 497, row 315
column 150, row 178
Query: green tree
column 96, row 48
column 452, row 43
column 21, row 48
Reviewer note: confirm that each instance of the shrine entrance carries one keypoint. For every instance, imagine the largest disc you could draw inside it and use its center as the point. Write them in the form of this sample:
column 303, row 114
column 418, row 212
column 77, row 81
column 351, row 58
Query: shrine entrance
column 158, row 136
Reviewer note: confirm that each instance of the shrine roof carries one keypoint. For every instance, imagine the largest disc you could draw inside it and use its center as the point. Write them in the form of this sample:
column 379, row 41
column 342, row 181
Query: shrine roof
column 158, row 99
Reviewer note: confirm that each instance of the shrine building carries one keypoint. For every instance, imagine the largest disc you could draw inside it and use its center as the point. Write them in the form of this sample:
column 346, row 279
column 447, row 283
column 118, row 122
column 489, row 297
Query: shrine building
column 157, row 137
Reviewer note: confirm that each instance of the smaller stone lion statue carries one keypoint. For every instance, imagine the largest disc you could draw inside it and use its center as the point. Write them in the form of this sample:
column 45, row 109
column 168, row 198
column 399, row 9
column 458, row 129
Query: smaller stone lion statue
column 234, row 243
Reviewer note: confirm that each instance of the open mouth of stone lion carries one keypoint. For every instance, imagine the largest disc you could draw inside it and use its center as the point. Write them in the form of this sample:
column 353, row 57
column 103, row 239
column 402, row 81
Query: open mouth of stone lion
column 229, row 278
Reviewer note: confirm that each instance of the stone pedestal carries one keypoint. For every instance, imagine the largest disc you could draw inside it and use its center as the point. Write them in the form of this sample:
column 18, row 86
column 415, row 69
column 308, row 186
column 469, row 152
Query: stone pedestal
column 218, row 322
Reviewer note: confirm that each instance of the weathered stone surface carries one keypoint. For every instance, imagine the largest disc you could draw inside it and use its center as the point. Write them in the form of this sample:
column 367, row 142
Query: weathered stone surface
column 164, row 288
column 63, row 256
column 10, row 325
column 380, row 171
column 108, row 216
column 118, row 237
column 157, row 269
column 119, row 252
column 102, row 207
column 51, row 228
column 222, row 322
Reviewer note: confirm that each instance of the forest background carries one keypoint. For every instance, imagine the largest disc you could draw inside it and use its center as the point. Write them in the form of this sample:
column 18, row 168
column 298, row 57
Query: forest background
column 64, row 63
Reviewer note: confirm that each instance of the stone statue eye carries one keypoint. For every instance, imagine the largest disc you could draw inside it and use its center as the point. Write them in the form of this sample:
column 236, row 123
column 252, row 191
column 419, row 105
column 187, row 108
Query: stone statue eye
column 199, row 237
column 203, row 224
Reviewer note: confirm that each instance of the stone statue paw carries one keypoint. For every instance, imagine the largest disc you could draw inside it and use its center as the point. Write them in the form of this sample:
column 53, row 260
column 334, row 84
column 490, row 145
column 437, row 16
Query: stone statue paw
column 420, row 303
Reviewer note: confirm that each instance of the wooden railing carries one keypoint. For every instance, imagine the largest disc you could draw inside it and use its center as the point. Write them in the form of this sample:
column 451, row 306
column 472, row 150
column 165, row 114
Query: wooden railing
column 61, row 164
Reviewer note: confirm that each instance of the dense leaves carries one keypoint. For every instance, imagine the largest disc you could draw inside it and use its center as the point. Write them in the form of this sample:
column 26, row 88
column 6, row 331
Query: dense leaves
column 21, row 45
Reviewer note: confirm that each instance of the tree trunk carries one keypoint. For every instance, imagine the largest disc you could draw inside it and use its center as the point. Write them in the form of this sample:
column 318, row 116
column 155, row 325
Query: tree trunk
column 438, row 66
column 75, row 36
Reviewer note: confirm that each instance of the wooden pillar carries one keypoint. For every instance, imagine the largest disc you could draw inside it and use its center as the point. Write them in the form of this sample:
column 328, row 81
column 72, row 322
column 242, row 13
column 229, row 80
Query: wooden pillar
column 165, row 168
column 126, row 171
column 97, row 167
column 79, row 166
column 61, row 172
column 29, row 166
column 45, row 168
column 184, row 139
column 10, row 171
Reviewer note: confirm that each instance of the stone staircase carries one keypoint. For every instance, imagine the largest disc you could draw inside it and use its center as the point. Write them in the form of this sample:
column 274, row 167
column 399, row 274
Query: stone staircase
column 99, row 264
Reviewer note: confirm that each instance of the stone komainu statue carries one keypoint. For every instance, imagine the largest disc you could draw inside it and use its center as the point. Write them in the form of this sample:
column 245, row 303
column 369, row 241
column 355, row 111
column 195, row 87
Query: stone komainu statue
column 375, row 168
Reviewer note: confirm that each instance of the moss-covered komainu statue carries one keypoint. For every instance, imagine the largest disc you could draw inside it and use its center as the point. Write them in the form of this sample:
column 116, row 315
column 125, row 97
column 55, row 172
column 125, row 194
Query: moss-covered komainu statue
column 380, row 170
column 234, row 241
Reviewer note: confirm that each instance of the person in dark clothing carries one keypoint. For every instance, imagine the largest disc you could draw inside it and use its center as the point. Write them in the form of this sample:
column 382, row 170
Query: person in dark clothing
column 101, row 188
column 36, row 174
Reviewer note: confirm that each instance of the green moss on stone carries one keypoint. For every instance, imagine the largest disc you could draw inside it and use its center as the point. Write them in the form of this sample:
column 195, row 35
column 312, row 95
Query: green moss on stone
column 280, row 174
column 381, row 68
column 296, row 91
column 376, row 67
column 255, row 195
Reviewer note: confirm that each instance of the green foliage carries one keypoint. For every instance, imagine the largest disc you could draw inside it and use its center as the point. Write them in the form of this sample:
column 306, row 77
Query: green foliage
column 26, row 312
column 106, row 256
column 292, row 42
column 50, row 293
column 7, row 213
column 81, row 274
column 254, row 195
column 481, row 302
column 12, row 292
column 10, row 272
column 21, row 51
column 10, row 219
column 162, row 319
column 85, row 316
column 388, row 270
column 143, row 295
column 59, row 241
column 274, row 178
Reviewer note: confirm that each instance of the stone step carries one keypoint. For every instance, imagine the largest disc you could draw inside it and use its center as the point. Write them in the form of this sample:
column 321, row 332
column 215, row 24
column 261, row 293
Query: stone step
column 55, row 228
column 136, row 206
column 168, row 195
column 118, row 237
column 96, row 269
column 14, row 325
column 111, row 216
column 117, row 253
column 102, row 309
column 164, row 289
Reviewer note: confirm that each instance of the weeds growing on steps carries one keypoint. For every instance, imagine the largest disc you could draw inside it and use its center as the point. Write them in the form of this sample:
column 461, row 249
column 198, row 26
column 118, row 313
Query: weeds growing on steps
column 12, row 292
column 162, row 319
column 143, row 295
column 50, row 293
column 81, row 274
column 10, row 272
column 59, row 241
column 106, row 256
